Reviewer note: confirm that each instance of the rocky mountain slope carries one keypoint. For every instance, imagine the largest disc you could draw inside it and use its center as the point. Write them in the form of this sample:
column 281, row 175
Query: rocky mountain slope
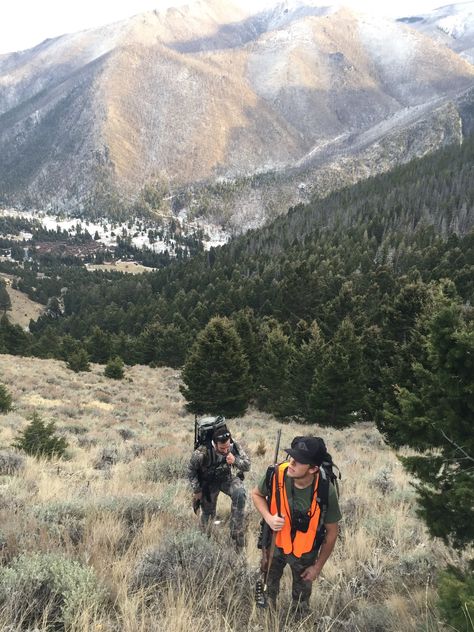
column 223, row 112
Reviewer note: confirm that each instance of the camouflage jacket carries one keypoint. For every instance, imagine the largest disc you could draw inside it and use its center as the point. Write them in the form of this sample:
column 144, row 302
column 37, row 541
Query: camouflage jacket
column 209, row 467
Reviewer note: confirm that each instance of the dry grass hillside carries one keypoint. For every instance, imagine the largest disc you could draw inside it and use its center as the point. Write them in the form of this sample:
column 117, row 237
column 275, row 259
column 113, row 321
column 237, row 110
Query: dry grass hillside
column 23, row 309
column 105, row 539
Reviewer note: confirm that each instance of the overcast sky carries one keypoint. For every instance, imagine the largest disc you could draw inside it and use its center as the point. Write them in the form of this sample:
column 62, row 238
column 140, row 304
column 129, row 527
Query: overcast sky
column 25, row 23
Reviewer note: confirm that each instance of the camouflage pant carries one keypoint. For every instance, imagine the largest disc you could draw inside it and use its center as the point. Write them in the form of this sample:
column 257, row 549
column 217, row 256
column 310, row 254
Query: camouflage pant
column 301, row 589
column 235, row 489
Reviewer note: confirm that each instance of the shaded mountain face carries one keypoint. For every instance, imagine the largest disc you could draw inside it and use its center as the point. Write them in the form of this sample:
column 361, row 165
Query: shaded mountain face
column 274, row 106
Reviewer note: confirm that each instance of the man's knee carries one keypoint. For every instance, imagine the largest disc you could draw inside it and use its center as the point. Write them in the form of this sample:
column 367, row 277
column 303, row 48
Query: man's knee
column 239, row 498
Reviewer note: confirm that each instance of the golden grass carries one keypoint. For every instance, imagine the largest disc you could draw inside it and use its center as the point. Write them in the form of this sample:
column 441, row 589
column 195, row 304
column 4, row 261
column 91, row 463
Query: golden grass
column 382, row 573
column 23, row 309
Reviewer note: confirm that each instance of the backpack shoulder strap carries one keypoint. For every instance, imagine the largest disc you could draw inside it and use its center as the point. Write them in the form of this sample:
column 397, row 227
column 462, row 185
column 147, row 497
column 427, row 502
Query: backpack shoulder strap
column 206, row 451
column 322, row 494
column 270, row 473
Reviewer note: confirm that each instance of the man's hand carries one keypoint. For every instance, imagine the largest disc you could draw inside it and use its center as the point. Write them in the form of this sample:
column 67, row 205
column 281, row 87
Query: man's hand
column 276, row 522
column 197, row 496
column 230, row 459
column 310, row 574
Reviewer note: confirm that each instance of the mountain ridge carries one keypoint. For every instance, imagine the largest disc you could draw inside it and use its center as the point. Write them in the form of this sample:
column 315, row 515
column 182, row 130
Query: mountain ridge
column 88, row 120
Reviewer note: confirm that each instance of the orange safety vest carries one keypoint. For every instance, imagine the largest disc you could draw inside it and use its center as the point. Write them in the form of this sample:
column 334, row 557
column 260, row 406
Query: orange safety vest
column 302, row 542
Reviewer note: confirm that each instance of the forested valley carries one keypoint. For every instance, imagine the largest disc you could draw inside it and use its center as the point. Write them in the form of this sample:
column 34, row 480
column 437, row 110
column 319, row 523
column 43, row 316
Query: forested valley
column 348, row 275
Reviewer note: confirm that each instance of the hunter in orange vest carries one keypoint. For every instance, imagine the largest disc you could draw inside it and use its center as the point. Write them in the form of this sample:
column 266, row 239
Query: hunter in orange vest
column 290, row 505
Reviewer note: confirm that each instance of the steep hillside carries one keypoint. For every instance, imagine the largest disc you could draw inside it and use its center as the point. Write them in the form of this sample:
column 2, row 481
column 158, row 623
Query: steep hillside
column 303, row 97
column 120, row 504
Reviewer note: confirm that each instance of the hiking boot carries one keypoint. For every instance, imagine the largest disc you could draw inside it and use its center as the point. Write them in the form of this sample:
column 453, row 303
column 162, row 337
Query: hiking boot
column 300, row 610
column 239, row 542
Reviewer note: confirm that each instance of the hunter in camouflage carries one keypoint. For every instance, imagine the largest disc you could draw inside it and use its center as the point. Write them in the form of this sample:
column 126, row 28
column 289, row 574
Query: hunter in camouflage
column 216, row 468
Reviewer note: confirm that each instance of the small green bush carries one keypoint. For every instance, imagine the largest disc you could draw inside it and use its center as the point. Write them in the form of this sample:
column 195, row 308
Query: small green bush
column 371, row 618
column 11, row 462
column 190, row 558
column 383, row 480
column 48, row 589
column 78, row 361
column 65, row 519
column 114, row 369
column 132, row 509
column 126, row 433
column 168, row 469
column 39, row 440
column 5, row 399
column 456, row 592
column 109, row 456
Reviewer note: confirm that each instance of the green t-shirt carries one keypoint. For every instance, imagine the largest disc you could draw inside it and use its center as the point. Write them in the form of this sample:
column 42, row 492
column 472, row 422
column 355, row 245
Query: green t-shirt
column 301, row 499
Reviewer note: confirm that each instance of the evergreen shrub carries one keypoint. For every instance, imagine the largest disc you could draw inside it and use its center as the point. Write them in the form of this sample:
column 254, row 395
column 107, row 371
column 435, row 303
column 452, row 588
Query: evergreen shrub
column 456, row 591
column 39, row 440
column 114, row 368
column 5, row 399
column 78, row 361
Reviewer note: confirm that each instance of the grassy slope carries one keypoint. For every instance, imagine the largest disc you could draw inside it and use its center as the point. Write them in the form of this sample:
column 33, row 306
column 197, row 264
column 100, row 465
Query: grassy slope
column 379, row 578
column 23, row 308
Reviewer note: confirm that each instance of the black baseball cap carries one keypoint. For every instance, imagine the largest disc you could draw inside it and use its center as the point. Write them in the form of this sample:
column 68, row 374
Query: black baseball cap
column 308, row 450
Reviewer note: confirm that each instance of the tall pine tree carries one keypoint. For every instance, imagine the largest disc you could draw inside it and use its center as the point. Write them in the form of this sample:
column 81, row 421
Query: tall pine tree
column 216, row 372
column 435, row 416
column 337, row 394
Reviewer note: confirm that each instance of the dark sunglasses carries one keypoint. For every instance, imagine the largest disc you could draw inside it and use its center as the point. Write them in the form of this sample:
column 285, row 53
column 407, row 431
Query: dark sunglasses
column 223, row 438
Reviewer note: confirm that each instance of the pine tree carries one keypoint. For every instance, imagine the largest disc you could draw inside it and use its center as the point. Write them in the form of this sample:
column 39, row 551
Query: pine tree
column 13, row 338
column 99, row 345
column 337, row 393
column 114, row 368
column 303, row 362
column 434, row 416
column 247, row 328
column 39, row 440
column 273, row 372
column 5, row 399
column 5, row 302
column 78, row 361
column 215, row 373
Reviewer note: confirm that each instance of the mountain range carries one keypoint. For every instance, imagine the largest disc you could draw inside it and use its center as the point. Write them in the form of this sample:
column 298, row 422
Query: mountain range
column 213, row 110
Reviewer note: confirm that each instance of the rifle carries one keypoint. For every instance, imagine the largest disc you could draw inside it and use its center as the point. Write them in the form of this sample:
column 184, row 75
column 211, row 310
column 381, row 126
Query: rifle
column 267, row 551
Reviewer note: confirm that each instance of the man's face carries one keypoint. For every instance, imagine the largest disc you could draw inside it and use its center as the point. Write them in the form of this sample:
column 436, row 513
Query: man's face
column 223, row 447
column 300, row 470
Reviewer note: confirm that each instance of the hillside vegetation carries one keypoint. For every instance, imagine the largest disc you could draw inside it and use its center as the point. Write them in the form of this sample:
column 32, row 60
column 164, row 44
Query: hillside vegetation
column 117, row 511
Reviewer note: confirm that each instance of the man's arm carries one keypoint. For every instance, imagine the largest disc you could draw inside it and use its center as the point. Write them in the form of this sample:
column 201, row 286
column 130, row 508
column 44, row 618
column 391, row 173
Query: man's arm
column 275, row 522
column 312, row 572
column 241, row 459
column 194, row 470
